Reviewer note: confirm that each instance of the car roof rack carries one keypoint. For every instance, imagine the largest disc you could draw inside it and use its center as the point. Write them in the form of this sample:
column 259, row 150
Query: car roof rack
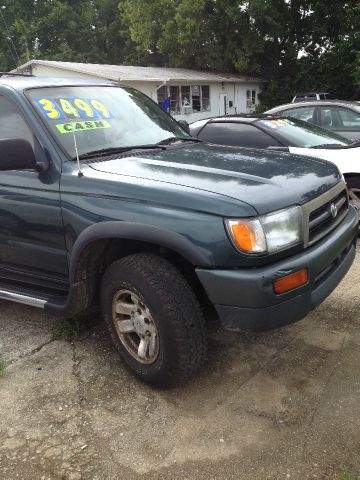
column 9, row 74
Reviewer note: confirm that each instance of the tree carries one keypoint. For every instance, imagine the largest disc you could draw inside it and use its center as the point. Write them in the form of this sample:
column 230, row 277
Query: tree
column 67, row 30
column 15, row 33
column 202, row 34
column 294, row 44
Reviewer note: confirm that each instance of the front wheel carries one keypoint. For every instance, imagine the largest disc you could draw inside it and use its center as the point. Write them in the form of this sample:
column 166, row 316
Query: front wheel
column 154, row 319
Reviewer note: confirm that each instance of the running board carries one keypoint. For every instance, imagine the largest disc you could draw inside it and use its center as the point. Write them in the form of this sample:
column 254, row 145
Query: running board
column 25, row 299
column 77, row 300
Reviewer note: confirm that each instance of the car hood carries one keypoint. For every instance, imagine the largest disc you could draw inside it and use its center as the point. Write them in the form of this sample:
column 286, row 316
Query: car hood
column 346, row 159
column 265, row 180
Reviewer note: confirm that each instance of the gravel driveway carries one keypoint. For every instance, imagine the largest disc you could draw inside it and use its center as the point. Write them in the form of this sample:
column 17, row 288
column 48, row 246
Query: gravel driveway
column 275, row 405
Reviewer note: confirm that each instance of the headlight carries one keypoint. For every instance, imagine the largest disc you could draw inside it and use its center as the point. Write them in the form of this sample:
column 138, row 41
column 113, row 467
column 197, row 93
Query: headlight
column 268, row 233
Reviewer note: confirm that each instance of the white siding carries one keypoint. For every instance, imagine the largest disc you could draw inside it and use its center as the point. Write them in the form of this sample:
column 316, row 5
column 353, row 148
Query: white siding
column 240, row 95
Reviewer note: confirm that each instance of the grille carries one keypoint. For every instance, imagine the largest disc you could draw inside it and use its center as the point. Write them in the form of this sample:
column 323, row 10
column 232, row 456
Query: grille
column 324, row 218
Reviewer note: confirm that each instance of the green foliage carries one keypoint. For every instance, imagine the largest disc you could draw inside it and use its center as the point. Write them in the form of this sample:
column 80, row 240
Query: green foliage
column 67, row 30
column 356, row 73
column 202, row 34
column 67, row 329
column 295, row 44
column 347, row 476
column 2, row 367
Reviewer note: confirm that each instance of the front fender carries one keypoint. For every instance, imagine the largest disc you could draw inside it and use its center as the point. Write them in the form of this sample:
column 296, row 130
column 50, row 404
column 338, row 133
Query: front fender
column 136, row 231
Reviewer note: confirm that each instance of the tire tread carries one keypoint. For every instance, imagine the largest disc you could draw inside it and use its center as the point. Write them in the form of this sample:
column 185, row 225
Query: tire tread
column 180, row 306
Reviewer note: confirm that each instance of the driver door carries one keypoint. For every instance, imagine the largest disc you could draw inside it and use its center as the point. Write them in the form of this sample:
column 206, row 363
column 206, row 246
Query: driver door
column 31, row 228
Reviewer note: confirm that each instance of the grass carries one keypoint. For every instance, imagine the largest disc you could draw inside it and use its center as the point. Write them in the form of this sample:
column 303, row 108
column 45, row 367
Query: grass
column 347, row 476
column 67, row 330
column 2, row 367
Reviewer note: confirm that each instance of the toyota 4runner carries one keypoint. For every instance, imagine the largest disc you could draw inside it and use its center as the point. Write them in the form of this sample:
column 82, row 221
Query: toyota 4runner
column 105, row 200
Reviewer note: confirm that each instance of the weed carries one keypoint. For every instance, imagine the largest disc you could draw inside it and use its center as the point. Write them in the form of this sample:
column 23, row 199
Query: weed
column 347, row 476
column 67, row 329
column 2, row 367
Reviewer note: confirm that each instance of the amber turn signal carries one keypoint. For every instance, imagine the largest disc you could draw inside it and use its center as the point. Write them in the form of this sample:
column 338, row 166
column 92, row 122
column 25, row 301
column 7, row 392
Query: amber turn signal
column 244, row 236
column 292, row 281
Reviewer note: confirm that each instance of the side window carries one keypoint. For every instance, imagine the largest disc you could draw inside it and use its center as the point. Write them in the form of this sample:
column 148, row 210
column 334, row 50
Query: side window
column 306, row 98
column 349, row 119
column 237, row 134
column 306, row 114
column 12, row 124
column 330, row 118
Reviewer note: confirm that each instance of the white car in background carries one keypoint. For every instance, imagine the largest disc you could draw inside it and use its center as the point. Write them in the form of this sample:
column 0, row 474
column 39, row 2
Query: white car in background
column 286, row 134
column 347, row 160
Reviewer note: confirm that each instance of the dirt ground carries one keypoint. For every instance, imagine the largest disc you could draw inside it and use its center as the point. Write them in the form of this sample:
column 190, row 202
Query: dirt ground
column 283, row 404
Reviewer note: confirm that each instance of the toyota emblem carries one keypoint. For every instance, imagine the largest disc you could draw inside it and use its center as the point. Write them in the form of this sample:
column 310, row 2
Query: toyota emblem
column 333, row 210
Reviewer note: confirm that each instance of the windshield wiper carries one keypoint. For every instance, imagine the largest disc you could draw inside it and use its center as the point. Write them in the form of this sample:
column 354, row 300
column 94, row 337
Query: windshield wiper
column 151, row 146
column 330, row 145
column 108, row 151
column 166, row 141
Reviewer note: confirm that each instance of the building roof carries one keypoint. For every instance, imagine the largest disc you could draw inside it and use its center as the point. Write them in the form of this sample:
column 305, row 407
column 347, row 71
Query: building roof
column 24, row 82
column 125, row 73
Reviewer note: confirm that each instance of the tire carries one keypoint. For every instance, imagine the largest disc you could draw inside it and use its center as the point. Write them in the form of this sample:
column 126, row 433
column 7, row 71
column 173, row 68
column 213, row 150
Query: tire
column 353, row 185
column 154, row 319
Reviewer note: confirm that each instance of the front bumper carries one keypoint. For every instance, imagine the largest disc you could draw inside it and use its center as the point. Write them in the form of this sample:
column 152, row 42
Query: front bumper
column 245, row 299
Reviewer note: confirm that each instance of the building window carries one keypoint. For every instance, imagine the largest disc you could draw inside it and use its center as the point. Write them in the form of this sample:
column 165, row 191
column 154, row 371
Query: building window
column 184, row 99
column 195, row 98
column 205, row 98
column 186, row 106
column 250, row 98
column 162, row 94
column 174, row 99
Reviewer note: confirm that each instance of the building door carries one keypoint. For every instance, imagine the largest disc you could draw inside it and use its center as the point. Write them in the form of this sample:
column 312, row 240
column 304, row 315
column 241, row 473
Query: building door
column 223, row 104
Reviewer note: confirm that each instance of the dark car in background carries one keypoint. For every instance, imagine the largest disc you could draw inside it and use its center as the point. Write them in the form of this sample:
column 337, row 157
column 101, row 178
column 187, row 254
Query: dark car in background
column 278, row 132
column 286, row 134
column 339, row 116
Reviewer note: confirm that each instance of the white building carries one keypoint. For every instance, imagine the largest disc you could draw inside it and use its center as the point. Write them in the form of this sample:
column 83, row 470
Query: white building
column 194, row 94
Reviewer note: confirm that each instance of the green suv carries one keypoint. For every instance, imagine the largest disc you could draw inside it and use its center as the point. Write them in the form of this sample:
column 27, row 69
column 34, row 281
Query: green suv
column 106, row 200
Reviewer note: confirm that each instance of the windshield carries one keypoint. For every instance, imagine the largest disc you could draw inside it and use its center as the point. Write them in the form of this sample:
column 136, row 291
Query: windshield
column 103, row 117
column 296, row 133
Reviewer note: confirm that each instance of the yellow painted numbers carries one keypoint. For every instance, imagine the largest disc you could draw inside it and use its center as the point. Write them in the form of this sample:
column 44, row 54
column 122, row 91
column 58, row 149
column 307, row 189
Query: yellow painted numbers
column 50, row 108
column 84, row 108
column 73, row 108
column 68, row 108
column 100, row 108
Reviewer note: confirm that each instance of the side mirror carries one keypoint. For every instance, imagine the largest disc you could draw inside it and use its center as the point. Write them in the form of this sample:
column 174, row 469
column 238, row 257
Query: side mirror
column 16, row 154
column 184, row 124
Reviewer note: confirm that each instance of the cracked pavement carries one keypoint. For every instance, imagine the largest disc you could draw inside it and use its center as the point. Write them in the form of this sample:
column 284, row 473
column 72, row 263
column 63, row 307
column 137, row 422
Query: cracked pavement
column 280, row 404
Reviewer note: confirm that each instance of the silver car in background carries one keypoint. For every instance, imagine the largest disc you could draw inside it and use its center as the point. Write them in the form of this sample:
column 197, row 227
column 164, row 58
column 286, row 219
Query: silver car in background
column 338, row 116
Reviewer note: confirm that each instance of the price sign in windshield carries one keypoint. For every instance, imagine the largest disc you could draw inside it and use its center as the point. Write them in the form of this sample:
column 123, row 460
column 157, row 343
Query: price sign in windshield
column 277, row 123
column 73, row 108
